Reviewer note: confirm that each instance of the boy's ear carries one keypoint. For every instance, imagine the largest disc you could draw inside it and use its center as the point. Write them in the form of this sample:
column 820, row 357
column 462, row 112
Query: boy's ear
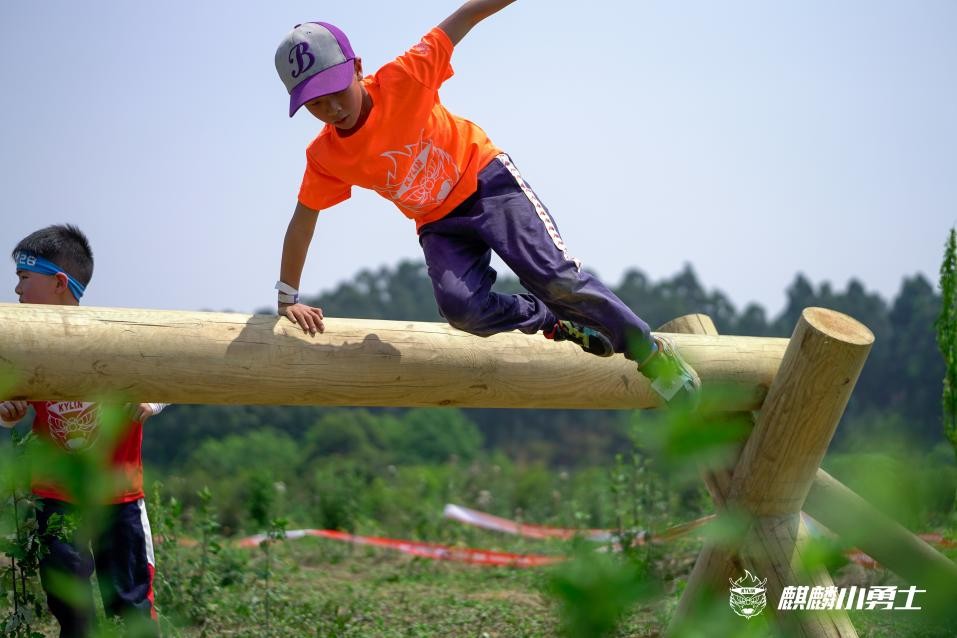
column 358, row 65
column 62, row 284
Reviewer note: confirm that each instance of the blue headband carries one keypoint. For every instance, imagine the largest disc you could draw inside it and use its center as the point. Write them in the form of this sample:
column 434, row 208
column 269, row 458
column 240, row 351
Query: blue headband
column 26, row 260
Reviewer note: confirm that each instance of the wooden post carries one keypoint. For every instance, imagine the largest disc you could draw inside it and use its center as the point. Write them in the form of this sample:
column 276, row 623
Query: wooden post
column 779, row 463
column 715, row 564
column 832, row 504
column 783, row 454
column 716, row 479
column 800, row 414
column 857, row 522
column 59, row 352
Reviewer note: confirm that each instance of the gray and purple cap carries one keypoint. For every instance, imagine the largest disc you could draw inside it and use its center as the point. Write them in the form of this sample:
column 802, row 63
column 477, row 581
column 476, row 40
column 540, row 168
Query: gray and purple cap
column 314, row 59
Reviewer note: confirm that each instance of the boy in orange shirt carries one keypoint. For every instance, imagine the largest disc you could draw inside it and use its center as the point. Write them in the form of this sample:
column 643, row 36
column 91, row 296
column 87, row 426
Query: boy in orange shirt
column 390, row 133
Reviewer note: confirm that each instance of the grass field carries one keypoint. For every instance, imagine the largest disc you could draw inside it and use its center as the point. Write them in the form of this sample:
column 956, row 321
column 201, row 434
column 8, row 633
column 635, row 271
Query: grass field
column 323, row 588
column 327, row 589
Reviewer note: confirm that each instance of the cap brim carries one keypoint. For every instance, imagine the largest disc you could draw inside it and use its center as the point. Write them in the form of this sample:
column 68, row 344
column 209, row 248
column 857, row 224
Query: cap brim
column 332, row 80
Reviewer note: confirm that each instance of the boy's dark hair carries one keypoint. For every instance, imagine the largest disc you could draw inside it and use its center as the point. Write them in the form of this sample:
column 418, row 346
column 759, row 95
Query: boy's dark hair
column 66, row 246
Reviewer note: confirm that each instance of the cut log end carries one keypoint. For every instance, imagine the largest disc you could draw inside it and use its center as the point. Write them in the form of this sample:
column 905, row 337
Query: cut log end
column 839, row 326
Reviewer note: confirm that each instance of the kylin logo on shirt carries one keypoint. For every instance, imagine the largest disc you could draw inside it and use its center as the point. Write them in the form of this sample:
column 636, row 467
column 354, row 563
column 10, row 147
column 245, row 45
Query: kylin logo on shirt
column 427, row 172
column 73, row 424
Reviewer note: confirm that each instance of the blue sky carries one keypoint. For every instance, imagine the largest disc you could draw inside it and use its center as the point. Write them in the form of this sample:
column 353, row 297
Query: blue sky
column 753, row 139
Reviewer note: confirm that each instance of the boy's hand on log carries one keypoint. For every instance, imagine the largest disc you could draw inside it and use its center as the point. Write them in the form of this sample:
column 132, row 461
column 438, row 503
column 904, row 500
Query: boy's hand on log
column 142, row 411
column 306, row 317
column 11, row 412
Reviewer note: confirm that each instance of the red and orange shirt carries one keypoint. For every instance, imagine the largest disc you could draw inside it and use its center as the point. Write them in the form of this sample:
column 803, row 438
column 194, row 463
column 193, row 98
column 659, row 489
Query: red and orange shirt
column 73, row 426
column 411, row 149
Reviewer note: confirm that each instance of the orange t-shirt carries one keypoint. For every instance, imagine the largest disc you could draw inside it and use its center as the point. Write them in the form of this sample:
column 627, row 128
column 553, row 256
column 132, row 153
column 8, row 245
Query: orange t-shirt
column 410, row 150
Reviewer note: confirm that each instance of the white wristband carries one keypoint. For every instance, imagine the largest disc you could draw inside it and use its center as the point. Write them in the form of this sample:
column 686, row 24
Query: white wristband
column 282, row 286
column 287, row 294
column 157, row 407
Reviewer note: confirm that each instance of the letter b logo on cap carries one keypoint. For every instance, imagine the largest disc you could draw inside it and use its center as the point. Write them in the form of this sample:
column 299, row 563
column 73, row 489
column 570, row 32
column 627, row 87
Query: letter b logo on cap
column 301, row 53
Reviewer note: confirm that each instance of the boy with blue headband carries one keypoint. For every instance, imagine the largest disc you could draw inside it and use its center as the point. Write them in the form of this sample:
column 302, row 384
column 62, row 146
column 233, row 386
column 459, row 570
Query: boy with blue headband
column 28, row 261
column 54, row 266
column 389, row 132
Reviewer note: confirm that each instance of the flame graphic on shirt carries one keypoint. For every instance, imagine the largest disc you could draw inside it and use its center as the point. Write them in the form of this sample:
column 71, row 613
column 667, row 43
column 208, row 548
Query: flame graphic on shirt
column 73, row 425
column 421, row 177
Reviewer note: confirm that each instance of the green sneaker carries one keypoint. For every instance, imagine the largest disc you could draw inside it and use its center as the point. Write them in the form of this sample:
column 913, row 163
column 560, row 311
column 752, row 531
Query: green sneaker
column 671, row 376
column 590, row 340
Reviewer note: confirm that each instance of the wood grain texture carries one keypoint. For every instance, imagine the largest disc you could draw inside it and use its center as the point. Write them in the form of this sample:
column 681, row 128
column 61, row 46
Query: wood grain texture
column 65, row 353
column 776, row 548
column 716, row 564
column 800, row 415
column 773, row 546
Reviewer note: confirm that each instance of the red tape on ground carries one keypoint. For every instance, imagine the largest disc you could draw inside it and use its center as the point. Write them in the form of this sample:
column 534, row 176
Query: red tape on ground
column 417, row 548
column 496, row 523
column 486, row 557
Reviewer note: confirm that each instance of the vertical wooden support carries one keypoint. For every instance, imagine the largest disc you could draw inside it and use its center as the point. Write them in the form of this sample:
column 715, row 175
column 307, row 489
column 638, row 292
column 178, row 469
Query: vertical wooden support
column 784, row 452
column 829, row 502
column 780, row 461
column 715, row 564
column 800, row 414
column 716, row 479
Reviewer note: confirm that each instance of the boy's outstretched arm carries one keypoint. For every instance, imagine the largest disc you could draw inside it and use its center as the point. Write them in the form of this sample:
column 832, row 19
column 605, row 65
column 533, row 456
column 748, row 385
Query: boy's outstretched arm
column 468, row 15
column 294, row 249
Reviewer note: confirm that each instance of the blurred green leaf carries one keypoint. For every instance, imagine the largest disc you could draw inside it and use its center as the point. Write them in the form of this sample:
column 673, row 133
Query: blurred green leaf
column 595, row 590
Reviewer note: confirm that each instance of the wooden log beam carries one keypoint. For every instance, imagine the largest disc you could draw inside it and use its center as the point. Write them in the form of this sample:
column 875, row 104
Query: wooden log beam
column 857, row 522
column 796, row 423
column 74, row 353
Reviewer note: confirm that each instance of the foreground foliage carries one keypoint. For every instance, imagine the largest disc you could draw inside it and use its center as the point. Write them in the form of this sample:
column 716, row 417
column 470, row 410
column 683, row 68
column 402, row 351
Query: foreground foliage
column 207, row 586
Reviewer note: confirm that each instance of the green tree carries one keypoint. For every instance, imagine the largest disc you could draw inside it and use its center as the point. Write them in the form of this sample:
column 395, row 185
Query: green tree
column 404, row 292
column 800, row 295
column 680, row 295
column 947, row 336
column 435, row 435
column 909, row 365
column 358, row 434
column 752, row 322
column 262, row 450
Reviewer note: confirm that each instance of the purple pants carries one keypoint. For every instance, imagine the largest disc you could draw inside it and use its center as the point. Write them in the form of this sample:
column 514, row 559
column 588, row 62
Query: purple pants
column 505, row 215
